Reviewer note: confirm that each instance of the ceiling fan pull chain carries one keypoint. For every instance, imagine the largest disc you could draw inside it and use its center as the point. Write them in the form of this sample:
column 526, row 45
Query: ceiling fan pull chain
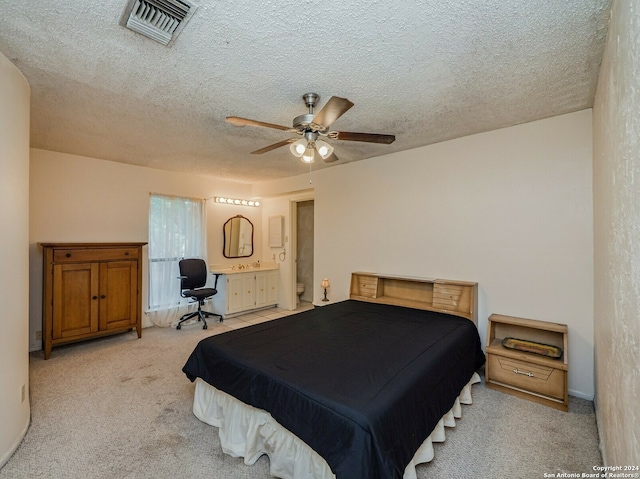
column 309, row 173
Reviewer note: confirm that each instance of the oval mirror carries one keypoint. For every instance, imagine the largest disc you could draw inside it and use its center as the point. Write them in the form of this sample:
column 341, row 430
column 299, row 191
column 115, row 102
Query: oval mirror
column 238, row 237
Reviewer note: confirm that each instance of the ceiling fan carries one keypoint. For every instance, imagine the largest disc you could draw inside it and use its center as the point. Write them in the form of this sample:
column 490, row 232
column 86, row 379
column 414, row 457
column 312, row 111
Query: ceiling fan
column 311, row 126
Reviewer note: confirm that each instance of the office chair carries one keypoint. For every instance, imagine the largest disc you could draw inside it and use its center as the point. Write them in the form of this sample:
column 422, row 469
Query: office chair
column 193, row 277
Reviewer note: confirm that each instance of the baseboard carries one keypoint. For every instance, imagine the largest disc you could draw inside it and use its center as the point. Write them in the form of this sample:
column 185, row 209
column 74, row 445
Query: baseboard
column 601, row 443
column 5, row 458
column 36, row 346
column 581, row 395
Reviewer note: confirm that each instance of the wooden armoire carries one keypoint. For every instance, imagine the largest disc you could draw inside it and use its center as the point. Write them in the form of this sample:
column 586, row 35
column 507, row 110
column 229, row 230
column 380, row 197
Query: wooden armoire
column 90, row 290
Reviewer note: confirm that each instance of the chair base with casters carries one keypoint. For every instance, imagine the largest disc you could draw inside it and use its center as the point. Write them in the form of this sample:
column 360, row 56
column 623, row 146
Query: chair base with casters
column 193, row 276
column 199, row 313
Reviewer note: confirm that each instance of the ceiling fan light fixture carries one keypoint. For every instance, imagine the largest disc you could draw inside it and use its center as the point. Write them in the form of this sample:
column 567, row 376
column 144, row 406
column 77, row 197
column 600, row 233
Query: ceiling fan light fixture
column 311, row 126
column 324, row 149
column 308, row 155
column 298, row 147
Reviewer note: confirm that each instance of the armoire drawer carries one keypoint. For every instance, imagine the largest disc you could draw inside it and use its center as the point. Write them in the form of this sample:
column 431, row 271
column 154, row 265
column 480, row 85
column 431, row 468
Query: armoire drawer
column 94, row 254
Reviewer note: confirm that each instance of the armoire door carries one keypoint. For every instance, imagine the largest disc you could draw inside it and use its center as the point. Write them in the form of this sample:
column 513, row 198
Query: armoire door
column 75, row 299
column 118, row 294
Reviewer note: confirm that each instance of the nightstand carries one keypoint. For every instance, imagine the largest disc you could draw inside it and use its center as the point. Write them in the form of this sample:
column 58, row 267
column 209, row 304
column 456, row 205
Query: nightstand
column 528, row 375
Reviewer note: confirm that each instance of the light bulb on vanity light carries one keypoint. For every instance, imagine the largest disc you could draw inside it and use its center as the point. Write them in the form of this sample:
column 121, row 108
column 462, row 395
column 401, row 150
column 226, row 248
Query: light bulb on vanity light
column 236, row 201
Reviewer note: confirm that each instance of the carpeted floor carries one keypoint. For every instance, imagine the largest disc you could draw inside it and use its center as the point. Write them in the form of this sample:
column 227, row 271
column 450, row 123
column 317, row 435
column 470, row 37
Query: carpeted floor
column 120, row 407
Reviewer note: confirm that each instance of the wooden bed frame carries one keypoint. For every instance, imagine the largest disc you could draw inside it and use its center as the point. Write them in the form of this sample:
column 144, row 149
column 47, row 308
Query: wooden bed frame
column 444, row 295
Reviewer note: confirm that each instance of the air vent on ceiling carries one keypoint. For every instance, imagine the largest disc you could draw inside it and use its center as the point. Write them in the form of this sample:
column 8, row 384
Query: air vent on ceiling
column 160, row 20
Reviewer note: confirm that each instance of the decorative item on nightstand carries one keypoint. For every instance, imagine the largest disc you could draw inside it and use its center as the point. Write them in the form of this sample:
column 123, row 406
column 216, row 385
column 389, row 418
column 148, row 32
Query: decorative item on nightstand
column 325, row 284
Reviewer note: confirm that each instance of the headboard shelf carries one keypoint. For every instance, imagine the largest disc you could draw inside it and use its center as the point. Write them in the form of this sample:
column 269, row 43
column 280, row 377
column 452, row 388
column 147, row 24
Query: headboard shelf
column 447, row 296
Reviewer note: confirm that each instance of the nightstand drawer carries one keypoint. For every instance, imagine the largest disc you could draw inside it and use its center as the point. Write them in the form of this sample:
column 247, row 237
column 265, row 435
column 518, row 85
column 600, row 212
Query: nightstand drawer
column 530, row 377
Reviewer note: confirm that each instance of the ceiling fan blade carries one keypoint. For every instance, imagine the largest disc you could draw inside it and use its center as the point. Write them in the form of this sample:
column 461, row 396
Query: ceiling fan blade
column 331, row 111
column 367, row 137
column 331, row 158
column 273, row 147
column 237, row 121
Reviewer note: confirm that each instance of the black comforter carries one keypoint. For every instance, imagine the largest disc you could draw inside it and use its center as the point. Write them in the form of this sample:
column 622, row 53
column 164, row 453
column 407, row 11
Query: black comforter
column 362, row 384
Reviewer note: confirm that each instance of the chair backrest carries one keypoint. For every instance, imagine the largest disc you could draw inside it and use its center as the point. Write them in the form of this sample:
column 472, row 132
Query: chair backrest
column 195, row 273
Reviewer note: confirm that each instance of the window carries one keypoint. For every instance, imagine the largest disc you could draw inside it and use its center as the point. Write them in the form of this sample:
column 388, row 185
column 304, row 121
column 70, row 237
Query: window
column 176, row 231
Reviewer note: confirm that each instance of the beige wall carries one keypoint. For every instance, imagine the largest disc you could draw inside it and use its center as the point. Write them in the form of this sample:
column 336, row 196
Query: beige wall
column 616, row 186
column 510, row 209
column 80, row 199
column 14, row 259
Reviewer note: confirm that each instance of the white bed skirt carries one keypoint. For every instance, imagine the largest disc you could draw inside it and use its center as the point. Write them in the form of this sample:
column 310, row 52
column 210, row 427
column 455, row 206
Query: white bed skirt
column 248, row 432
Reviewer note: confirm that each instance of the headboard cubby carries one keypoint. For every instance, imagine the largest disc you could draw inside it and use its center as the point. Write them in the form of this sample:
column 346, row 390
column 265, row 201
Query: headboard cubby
column 448, row 296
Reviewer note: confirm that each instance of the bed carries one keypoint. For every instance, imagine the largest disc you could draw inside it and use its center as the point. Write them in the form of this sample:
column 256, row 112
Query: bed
column 352, row 390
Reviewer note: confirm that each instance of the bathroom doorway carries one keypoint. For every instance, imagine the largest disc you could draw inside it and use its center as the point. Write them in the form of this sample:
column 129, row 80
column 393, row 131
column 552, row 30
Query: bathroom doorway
column 304, row 219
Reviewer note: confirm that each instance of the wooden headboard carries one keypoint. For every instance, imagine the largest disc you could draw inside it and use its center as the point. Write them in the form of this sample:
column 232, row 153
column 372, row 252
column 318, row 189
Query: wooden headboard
column 447, row 296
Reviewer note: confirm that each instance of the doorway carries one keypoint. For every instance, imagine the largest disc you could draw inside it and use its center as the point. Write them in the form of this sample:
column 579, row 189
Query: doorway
column 304, row 234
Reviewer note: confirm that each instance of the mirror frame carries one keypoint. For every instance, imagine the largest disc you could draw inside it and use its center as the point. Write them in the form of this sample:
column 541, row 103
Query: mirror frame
column 227, row 238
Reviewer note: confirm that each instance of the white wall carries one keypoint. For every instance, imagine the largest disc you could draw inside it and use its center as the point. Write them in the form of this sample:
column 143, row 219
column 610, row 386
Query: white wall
column 14, row 257
column 616, row 186
column 510, row 209
column 80, row 199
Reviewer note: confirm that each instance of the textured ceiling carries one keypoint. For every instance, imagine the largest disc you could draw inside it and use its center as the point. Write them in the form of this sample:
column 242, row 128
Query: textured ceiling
column 426, row 71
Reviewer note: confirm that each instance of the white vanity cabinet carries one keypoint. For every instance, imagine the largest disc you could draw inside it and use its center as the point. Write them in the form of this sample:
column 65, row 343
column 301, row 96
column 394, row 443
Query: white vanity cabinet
column 267, row 288
column 241, row 291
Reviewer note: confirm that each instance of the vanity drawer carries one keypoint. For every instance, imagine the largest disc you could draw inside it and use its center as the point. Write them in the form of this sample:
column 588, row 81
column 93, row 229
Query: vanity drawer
column 536, row 378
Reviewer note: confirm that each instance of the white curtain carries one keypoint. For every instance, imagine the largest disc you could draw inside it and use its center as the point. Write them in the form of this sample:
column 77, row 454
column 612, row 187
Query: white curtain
column 176, row 231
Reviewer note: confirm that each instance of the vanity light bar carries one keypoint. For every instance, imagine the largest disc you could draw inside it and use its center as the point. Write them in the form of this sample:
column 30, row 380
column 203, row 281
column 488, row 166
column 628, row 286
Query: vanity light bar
column 235, row 201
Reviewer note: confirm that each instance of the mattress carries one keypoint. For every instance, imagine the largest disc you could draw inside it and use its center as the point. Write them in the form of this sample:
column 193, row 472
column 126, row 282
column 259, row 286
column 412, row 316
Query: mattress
column 349, row 379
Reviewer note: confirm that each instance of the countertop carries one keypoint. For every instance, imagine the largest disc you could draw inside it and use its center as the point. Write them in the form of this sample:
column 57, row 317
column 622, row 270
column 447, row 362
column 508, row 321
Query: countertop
column 242, row 268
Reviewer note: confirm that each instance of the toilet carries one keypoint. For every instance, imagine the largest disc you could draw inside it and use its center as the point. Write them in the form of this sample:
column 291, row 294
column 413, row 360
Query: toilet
column 299, row 290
